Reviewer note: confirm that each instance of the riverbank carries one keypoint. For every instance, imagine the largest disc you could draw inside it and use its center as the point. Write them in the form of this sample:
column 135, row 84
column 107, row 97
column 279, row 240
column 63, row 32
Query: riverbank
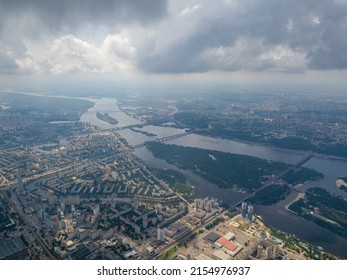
column 324, row 209
column 341, row 184
column 297, row 198
column 226, row 170
column 214, row 135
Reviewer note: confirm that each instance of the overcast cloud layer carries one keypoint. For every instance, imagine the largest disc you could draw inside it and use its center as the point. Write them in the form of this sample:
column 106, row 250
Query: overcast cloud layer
column 177, row 36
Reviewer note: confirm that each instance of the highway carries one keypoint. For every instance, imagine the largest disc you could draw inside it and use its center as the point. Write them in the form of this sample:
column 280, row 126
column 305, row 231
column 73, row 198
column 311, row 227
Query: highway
column 31, row 228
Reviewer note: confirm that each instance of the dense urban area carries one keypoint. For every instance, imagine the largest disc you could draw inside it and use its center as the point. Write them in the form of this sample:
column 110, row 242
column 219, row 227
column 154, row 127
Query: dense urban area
column 70, row 189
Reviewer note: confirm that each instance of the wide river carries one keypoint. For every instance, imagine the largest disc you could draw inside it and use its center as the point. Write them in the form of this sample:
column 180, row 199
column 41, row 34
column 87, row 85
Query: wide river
column 275, row 215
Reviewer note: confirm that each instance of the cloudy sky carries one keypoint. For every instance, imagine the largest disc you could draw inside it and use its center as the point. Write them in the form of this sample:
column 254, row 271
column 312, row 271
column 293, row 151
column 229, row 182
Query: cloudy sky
column 120, row 38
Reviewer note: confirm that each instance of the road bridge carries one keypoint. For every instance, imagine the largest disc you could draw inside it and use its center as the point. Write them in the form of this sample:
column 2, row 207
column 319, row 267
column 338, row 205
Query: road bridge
column 163, row 139
column 270, row 181
column 140, row 125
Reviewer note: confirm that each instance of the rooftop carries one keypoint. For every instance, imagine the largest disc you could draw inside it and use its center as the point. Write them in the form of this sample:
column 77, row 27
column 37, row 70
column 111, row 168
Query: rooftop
column 212, row 237
column 227, row 244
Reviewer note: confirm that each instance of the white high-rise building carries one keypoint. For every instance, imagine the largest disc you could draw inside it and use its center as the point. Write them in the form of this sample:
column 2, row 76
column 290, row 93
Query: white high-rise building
column 208, row 206
column 199, row 204
column 250, row 213
column 62, row 206
column 160, row 235
column 96, row 210
column 243, row 209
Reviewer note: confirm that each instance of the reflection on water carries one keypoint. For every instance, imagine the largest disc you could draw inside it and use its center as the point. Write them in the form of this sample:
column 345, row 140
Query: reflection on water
column 230, row 146
column 278, row 217
column 107, row 105
column 332, row 169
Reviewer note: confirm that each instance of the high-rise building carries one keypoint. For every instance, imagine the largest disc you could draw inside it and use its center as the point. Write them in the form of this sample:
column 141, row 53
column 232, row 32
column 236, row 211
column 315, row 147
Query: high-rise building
column 208, row 206
column 96, row 210
column 272, row 252
column 275, row 252
column 243, row 209
column 63, row 224
column 135, row 205
column 20, row 184
column 145, row 221
column 197, row 203
column 204, row 203
column 158, row 208
column 62, row 206
column 268, row 252
column 154, row 221
column 259, row 251
column 250, row 213
column 160, row 235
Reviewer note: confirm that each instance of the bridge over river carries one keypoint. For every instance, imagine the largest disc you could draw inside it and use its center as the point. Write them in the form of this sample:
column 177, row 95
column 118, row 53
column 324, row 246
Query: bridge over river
column 266, row 184
column 270, row 181
column 163, row 139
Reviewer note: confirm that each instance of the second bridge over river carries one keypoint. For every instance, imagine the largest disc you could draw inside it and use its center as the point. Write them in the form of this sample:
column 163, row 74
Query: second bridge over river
column 163, row 139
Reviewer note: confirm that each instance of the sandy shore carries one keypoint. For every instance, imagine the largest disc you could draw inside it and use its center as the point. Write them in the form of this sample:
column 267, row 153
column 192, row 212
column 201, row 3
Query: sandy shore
column 300, row 195
column 341, row 183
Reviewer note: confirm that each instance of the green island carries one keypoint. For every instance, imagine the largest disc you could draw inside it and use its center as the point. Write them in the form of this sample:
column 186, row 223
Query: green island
column 143, row 132
column 223, row 169
column 176, row 180
column 271, row 194
column 106, row 118
column 277, row 192
column 301, row 175
column 323, row 208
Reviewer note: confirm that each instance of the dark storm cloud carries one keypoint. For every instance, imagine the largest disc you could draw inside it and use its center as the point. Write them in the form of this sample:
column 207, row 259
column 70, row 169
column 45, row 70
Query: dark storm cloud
column 331, row 54
column 316, row 28
column 57, row 14
column 29, row 28
column 173, row 36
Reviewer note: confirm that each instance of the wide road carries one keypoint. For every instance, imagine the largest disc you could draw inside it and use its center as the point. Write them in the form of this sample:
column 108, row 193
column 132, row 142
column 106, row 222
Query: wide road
column 32, row 228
